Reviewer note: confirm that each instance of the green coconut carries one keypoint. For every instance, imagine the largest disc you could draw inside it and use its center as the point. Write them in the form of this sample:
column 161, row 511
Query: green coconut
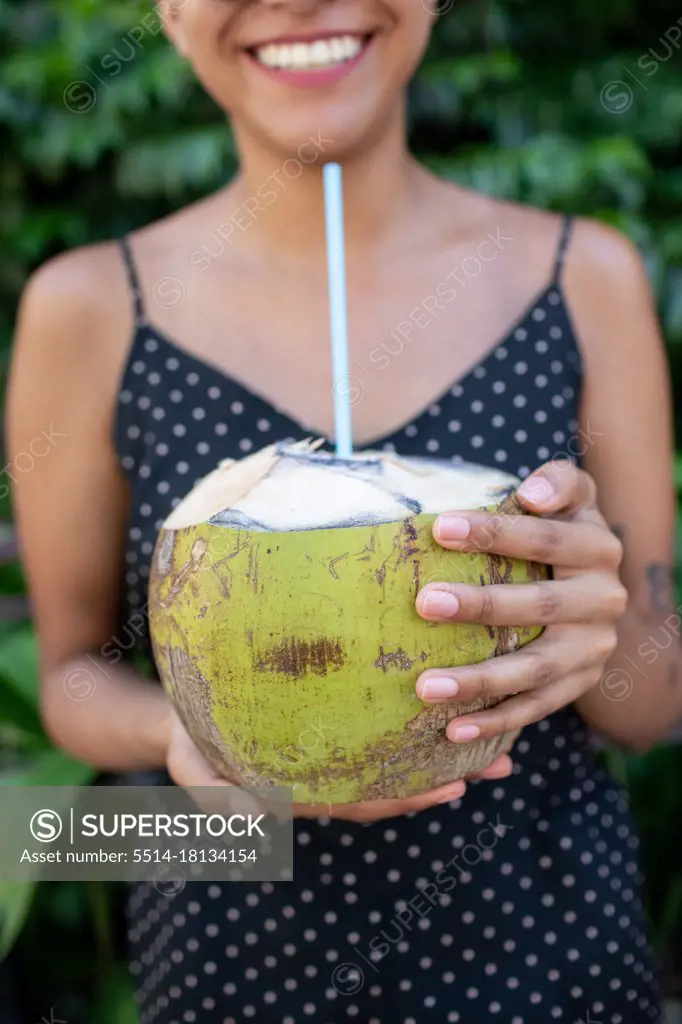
column 283, row 621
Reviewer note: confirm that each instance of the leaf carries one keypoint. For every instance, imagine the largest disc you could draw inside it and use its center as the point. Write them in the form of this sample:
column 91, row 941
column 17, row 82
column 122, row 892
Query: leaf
column 18, row 716
column 15, row 904
column 115, row 1003
column 51, row 768
column 190, row 158
column 19, row 664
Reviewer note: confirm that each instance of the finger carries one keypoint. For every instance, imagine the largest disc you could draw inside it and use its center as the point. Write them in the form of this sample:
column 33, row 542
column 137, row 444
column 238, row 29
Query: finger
column 375, row 810
column 195, row 770
column 577, row 545
column 593, row 597
column 501, row 768
column 187, row 766
column 558, row 488
column 420, row 802
column 555, row 655
column 517, row 712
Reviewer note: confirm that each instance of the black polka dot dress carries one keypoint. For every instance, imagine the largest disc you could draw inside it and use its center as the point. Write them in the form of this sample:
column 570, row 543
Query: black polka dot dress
column 521, row 902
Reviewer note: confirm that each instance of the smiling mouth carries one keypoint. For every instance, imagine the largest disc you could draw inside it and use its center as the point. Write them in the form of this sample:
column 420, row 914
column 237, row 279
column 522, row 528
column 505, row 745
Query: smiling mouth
column 312, row 55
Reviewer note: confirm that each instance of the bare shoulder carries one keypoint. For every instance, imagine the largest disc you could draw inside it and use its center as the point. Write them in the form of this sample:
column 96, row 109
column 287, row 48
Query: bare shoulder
column 595, row 250
column 81, row 302
column 72, row 338
column 596, row 245
column 603, row 277
column 601, row 250
column 75, row 310
column 608, row 293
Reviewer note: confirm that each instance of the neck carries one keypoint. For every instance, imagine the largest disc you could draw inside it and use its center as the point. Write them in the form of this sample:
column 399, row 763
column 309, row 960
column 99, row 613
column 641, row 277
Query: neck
column 281, row 199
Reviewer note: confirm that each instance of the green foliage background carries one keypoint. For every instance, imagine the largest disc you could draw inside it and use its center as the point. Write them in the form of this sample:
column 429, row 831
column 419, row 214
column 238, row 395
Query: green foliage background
column 575, row 107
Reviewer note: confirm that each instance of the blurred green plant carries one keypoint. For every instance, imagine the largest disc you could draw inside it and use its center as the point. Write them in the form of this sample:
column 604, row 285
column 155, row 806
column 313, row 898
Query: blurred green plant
column 83, row 973
column 574, row 107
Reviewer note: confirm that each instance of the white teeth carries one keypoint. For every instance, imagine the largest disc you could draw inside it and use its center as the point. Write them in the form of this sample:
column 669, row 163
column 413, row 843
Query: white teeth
column 338, row 49
column 298, row 54
column 268, row 54
column 321, row 53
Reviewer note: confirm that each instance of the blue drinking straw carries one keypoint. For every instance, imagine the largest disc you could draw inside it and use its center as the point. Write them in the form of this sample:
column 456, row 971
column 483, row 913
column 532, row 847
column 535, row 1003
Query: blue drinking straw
column 338, row 319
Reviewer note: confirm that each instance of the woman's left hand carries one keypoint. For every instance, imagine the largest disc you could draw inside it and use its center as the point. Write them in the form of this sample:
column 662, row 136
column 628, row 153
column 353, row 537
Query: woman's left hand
column 579, row 607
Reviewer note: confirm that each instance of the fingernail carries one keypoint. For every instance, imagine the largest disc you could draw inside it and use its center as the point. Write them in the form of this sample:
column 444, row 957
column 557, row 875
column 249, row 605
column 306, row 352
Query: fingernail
column 440, row 603
column 537, row 489
column 464, row 733
column 449, row 527
column 436, row 687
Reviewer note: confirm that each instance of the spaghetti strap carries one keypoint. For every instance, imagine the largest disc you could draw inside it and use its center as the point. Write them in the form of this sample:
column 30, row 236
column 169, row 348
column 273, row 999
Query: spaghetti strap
column 133, row 280
column 562, row 248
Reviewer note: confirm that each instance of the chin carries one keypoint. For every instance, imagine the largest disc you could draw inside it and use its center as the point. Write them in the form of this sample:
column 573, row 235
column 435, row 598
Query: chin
column 335, row 132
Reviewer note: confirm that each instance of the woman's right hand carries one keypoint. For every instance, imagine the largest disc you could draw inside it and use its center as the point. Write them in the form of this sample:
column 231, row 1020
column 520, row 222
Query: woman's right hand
column 189, row 768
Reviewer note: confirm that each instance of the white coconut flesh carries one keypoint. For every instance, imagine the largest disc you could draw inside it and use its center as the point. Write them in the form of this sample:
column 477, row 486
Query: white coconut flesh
column 287, row 487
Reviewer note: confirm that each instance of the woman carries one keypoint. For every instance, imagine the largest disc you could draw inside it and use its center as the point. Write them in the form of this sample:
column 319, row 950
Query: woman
column 547, row 330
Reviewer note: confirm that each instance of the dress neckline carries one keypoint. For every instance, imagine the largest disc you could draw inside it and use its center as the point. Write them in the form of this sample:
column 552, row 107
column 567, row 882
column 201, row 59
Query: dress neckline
column 552, row 292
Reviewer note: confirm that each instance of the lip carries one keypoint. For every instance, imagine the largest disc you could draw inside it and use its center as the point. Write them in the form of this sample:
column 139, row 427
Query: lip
column 314, row 77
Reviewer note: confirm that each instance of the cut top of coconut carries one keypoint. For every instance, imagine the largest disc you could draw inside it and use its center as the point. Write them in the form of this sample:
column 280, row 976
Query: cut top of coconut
column 296, row 487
